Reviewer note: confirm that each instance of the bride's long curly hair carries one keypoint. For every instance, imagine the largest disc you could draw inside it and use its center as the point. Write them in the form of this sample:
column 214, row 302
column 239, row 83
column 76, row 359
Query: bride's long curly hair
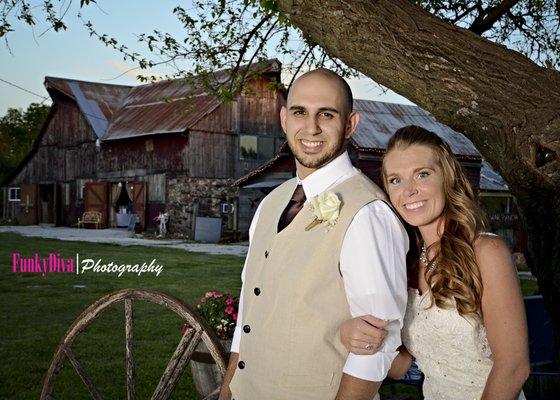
column 456, row 276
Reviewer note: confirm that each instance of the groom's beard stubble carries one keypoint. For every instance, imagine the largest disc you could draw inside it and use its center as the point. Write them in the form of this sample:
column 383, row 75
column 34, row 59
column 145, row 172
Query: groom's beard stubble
column 330, row 155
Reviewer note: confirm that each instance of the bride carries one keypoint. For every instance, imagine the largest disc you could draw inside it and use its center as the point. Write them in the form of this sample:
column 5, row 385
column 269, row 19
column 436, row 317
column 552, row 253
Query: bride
column 465, row 321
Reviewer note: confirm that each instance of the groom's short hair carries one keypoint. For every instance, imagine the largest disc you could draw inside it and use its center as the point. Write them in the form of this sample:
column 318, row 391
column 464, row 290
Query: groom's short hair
column 347, row 97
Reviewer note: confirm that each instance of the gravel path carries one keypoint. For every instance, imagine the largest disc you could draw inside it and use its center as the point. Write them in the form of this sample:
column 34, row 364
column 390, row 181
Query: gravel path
column 122, row 237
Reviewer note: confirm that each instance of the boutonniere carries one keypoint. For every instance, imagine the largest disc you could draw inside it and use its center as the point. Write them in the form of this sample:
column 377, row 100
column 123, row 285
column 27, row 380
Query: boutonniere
column 326, row 208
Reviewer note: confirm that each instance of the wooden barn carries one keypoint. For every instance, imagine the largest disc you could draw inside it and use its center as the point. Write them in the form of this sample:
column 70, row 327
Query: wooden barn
column 165, row 146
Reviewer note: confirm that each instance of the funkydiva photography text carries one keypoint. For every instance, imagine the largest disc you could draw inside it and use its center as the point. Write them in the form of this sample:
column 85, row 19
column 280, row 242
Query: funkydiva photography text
column 55, row 263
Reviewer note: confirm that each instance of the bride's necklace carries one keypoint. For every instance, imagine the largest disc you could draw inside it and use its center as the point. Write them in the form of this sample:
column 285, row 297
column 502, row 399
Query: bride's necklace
column 430, row 264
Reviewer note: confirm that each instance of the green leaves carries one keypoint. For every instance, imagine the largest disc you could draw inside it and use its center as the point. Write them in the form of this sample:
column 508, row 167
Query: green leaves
column 18, row 130
column 220, row 34
column 219, row 311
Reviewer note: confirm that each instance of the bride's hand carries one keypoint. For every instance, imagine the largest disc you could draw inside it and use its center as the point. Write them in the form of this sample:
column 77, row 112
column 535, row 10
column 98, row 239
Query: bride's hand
column 363, row 335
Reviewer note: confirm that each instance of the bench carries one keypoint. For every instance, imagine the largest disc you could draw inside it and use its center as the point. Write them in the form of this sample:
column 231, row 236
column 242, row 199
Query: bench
column 90, row 217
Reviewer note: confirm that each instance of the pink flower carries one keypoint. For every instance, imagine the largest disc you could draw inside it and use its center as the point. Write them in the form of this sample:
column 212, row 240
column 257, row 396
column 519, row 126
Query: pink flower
column 217, row 295
column 229, row 310
column 208, row 294
column 229, row 301
column 234, row 316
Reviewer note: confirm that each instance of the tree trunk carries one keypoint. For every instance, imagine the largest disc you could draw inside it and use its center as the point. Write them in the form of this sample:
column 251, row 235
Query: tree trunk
column 506, row 104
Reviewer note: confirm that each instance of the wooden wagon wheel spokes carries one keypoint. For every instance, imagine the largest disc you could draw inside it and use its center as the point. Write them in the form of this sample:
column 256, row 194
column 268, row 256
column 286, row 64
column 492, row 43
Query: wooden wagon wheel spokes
column 177, row 363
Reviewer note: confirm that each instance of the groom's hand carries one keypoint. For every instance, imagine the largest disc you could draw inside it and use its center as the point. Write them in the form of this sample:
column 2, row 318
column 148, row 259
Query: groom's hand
column 225, row 392
column 363, row 335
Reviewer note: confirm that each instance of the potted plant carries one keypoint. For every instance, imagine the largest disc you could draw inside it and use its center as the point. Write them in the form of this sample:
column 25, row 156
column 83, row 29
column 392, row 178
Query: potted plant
column 219, row 311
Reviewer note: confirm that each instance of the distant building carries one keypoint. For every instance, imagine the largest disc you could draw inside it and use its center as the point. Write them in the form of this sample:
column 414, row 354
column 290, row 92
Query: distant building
column 145, row 149
column 501, row 209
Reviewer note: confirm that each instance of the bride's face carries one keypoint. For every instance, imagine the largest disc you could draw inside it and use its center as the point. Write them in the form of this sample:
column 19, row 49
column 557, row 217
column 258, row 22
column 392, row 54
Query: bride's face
column 414, row 182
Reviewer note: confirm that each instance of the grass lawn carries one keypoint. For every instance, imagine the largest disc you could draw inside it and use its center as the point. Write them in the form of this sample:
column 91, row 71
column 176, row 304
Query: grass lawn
column 36, row 312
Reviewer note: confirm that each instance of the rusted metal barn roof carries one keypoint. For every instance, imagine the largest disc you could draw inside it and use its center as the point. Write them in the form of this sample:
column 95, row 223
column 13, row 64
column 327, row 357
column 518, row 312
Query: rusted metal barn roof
column 171, row 106
column 378, row 122
column 97, row 101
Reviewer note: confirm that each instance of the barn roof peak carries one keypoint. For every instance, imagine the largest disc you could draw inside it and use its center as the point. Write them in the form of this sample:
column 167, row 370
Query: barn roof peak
column 167, row 106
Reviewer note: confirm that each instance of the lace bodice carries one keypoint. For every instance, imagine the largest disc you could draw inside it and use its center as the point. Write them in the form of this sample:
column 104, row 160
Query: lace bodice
column 452, row 351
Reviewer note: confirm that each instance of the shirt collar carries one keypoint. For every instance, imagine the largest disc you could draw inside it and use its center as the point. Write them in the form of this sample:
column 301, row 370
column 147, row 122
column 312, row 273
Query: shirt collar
column 327, row 176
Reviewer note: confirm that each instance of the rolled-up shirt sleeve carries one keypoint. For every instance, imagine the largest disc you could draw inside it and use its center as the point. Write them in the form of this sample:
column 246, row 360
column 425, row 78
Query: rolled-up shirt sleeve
column 373, row 267
column 239, row 324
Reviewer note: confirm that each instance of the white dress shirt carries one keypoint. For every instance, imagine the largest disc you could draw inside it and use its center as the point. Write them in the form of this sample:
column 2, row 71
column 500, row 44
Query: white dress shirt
column 373, row 267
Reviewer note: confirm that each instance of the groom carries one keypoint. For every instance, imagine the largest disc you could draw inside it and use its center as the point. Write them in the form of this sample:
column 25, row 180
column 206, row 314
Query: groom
column 302, row 279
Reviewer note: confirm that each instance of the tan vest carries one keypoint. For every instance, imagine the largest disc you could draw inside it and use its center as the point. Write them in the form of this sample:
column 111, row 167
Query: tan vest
column 294, row 300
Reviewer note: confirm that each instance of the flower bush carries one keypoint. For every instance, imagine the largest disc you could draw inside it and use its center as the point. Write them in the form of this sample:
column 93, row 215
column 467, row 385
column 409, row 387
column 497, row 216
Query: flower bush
column 219, row 311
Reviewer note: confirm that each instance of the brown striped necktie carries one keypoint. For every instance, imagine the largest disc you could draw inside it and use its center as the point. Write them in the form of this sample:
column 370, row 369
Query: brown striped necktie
column 293, row 208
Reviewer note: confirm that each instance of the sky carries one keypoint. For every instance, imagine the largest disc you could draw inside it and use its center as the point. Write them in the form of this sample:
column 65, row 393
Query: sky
column 32, row 54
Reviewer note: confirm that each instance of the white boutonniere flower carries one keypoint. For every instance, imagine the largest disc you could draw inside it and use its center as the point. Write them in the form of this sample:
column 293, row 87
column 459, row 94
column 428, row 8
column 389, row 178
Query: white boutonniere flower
column 326, row 208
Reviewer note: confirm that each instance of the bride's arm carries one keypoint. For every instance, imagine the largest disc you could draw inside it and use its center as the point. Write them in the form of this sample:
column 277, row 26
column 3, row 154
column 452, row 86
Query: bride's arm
column 358, row 332
column 504, row 318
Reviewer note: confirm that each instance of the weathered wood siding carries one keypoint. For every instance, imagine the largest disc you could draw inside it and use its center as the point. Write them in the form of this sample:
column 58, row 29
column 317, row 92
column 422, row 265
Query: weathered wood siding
column 66, row 149
column 211, row 155
column 259, row 109
column 258, row 113
column 149, row 155
column 218, row 121
column 213, row 150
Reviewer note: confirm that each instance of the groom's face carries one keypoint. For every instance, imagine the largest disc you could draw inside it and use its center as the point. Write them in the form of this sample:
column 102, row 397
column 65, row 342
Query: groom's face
column 316, row 121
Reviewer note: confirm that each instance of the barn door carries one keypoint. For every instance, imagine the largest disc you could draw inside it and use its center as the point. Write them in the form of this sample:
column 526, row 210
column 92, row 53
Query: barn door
column 95, row 199
column 139, row 201
column 28, row 204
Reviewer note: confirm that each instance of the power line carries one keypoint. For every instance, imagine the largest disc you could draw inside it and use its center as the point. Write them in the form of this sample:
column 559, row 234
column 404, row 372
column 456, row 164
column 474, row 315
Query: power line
column 25, row 90
column 46, row 98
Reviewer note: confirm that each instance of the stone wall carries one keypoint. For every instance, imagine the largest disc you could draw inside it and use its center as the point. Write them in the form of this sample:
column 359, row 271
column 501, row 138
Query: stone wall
column 189, row 197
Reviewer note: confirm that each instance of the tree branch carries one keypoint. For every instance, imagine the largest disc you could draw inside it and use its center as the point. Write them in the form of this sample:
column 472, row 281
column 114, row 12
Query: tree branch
column 247, row 41
column 462, row 15
column 300, row 66
column 486, row 21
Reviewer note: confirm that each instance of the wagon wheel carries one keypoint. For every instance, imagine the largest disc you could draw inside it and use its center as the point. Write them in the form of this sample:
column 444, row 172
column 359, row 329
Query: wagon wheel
column 177, row 363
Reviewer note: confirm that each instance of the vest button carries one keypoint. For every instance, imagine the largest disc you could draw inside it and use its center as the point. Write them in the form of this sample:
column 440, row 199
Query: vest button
column 266, row 254
column 257, row 291
column 241, row 364
column 246, row 329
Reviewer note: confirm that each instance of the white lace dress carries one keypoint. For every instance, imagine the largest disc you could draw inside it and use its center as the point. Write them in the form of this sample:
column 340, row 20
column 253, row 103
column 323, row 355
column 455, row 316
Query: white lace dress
column 452, row 352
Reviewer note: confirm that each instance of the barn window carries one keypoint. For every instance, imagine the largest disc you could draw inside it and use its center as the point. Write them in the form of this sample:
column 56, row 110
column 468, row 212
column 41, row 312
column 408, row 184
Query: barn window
column 253, row 147
column 266, row 148
column 14, row 194
column 248, row 149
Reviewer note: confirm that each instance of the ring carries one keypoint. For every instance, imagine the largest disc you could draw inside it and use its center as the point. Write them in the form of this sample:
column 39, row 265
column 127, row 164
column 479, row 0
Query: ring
column 369, row 346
